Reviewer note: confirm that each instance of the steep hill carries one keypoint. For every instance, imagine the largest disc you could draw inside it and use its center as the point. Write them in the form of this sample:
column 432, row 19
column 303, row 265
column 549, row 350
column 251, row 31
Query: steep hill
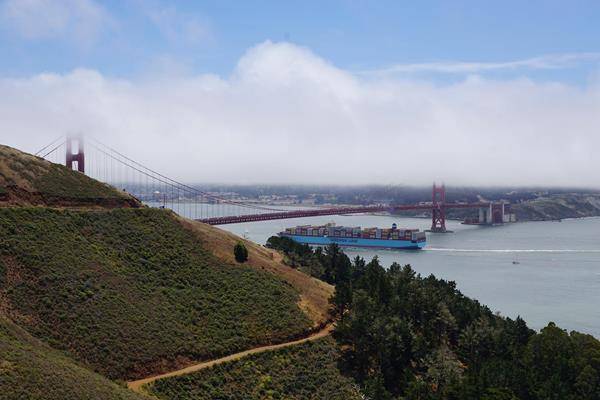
column 29, row 180
column 132, row 292
column 31, row 370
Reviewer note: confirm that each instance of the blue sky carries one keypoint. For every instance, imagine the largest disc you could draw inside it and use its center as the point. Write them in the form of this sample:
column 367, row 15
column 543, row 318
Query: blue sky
column 128, row 38
column 503, row 92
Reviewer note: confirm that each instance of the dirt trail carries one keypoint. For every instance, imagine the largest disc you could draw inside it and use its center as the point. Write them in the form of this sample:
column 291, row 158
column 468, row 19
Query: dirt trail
column 137, row 386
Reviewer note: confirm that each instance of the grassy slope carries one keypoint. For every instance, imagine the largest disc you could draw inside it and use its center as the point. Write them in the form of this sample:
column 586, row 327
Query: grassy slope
column 314, row 293
column 131, row 292
column 31, row 370
column 307, row 371
column 32, row 180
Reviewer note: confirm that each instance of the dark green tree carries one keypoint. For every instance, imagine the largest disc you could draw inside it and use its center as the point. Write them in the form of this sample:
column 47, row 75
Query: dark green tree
column 499, row 394
column 587, row 384
column 240, row 252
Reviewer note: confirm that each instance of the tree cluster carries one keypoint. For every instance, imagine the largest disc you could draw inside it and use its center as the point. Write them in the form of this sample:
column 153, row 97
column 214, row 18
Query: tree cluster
column 327, row 264
column 410, row 337
column 404, row 336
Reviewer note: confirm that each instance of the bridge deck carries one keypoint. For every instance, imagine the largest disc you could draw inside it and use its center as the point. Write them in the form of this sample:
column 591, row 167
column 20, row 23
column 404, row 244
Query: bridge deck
column 317, row 212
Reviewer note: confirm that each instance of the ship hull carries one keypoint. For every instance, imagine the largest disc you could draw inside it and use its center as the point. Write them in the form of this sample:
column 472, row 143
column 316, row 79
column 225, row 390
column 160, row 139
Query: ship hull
column 356, row 242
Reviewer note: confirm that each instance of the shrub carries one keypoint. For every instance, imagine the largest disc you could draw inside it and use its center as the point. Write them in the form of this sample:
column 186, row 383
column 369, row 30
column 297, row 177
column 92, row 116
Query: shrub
column 240, row 252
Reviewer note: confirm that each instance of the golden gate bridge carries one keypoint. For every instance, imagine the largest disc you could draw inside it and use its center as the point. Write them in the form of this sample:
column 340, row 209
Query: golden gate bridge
column 106, row 164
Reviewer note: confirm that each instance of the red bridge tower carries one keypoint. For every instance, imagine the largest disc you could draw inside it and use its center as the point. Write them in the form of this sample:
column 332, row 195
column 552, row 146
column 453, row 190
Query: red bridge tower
column 79, row 156
column 438, row 211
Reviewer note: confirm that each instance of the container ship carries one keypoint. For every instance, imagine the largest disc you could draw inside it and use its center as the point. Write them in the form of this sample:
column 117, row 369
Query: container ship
column 323, row 235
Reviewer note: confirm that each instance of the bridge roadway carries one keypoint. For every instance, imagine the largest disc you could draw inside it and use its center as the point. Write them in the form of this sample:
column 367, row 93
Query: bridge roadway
column 334, row 211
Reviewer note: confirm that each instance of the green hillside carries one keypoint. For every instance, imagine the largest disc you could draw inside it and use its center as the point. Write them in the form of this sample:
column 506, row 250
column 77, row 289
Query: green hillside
column 131, row 292
column 26, row 179
column 303, row 372
column 30, row 370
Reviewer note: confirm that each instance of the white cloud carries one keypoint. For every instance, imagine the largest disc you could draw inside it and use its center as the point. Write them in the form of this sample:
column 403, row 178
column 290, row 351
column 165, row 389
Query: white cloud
column 79, row 20
column 552, row 61
column 287, row 115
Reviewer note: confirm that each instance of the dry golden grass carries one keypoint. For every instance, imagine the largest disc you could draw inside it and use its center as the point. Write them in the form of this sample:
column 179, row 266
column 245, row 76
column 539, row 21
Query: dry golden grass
column 20, row 169
column 314, row 294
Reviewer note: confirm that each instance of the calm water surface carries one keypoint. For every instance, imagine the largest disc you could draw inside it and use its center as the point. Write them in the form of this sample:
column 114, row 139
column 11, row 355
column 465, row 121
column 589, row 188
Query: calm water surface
column 557, row 277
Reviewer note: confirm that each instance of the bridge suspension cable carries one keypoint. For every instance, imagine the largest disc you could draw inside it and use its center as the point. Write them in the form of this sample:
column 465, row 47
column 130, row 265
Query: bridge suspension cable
column 40, row 151
column 155, row 189
column 150, row 172
column 110, row 166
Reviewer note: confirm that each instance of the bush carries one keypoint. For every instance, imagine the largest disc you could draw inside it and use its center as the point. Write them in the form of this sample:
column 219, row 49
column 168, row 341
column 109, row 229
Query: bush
column 240, row 252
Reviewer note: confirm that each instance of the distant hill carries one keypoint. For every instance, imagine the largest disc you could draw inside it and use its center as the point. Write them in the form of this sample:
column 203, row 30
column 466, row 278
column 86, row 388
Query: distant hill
column 29, row 180
column 31, row 370
column 542, row 207
column 558, row 206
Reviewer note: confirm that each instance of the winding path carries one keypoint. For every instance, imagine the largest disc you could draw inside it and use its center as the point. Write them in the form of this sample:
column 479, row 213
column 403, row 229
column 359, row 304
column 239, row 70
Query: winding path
column 138, row 386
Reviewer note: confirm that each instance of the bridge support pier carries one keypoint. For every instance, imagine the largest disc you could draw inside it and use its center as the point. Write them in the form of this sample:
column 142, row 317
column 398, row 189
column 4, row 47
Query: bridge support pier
column 494, row 214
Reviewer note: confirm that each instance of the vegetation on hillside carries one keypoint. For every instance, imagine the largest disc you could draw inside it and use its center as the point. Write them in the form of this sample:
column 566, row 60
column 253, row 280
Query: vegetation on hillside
column 410, row 337
column 304, row 372
column 33, row 180
column 321, row 263
column 131, row 292
column 314, row 293
column 31, row 370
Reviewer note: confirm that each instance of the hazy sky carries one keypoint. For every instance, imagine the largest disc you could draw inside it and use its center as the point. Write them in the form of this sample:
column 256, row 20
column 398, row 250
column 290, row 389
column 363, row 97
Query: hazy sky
column 313, row 92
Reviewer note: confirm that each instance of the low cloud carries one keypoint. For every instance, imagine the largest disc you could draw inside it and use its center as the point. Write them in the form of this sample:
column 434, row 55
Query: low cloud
column 287, row 115
column 552, row 61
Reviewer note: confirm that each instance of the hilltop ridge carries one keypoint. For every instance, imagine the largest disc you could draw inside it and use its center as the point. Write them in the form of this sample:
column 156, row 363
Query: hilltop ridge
column 29, row 180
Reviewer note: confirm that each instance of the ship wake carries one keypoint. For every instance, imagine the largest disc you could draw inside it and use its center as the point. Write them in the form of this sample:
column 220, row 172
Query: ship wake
column 512, row 250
